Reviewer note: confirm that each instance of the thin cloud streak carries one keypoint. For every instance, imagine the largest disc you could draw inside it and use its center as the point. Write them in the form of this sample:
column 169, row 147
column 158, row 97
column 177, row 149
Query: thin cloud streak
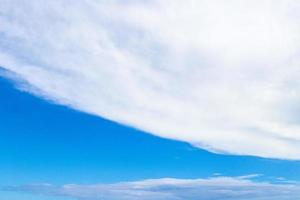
column 215, row 188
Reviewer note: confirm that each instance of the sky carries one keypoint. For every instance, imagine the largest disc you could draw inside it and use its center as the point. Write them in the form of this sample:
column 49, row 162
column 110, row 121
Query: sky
column 127, row 99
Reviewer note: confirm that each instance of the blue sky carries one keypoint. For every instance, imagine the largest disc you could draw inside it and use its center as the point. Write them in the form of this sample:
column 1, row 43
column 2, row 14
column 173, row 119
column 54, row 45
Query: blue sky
column 46, row 143
column 156, row 99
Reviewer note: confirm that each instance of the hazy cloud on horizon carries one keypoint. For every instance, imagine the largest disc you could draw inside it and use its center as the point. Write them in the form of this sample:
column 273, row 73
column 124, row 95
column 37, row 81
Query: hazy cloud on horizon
column 214, row 188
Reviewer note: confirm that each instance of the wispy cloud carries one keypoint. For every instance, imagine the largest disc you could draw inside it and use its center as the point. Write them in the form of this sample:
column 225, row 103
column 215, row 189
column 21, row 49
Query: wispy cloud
column 216, row 188
column 222, row 75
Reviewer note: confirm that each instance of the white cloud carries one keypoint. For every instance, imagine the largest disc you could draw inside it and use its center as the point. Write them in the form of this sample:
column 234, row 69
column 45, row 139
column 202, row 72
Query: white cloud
column 216, row 188
column 221, row 75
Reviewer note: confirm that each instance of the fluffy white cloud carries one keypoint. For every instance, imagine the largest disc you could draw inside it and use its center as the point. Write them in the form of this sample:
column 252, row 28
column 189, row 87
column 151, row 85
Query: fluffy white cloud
column 221, row 75
column 216, row 188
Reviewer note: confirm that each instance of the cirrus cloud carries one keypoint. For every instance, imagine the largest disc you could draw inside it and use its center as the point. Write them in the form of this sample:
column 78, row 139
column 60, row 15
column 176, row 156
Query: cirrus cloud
column 221, row 75
column 214, row 188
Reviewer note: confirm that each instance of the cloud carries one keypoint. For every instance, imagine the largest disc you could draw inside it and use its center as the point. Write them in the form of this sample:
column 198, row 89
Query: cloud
column 221, row 75
column 215, row 188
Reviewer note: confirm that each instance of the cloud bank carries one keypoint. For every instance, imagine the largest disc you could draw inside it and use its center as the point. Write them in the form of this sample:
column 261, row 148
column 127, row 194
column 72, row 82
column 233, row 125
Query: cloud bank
column 216, row 188
column 221, row 75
